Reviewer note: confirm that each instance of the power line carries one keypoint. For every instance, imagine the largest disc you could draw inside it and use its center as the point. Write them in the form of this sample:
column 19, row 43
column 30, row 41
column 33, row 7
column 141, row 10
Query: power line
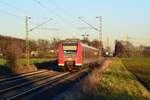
column 27, row 35
column 7, row 4
column 60, row 8
column 11, row 14
column 46, row 8
column 39, row 25
column 18, row 9
column 85, row 28
column 88, row 24
column 64, row 11
column 13, row 7
column 57, row 15
column 54, row 29
column 70, row 14
column 67, row 13
column 14, row 15
column 79, row 18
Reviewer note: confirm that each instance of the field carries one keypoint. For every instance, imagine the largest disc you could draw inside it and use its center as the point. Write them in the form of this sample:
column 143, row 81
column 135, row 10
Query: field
column 24, row 61
column 140, row 67
column 111, row 82
column 2, row 64
column 120, row 84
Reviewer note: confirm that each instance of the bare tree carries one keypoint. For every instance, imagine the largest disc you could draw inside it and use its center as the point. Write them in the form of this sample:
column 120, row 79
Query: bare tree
column 43, row 44
column 55, row 43
column 12, row 54
column 6, row 40
column 119, row 49
column 124, row 49
column 33, row 45
column 96, row 43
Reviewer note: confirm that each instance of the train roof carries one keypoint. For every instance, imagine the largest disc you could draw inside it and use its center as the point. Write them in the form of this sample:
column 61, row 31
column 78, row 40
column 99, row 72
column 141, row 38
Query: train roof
column 73, row 41
column 87, row 46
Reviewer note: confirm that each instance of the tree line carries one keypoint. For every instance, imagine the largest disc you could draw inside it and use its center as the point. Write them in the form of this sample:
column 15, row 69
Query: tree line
column 40, row 47
column 127, row 49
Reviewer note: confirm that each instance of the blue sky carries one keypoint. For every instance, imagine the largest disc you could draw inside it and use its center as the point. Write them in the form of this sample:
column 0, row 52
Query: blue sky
column 120, row 18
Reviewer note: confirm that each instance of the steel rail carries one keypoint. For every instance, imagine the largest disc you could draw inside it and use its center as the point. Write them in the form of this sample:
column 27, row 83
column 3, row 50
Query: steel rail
column 22, row 75
column 50, row 81
column 23, row 84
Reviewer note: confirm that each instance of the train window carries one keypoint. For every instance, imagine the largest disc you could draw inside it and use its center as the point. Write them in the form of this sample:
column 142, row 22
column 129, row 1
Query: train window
column 70, row 52
column 70, row 48
column 69, row 44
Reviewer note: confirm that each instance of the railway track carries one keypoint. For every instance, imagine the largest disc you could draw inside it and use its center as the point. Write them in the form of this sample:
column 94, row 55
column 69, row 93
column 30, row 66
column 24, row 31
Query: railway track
column 29, row 86
column 38, row 85
column 20, row 75
column 16, row 83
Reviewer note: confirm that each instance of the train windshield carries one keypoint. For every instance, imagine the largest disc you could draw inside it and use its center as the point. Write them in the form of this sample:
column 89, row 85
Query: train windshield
column 70, row 48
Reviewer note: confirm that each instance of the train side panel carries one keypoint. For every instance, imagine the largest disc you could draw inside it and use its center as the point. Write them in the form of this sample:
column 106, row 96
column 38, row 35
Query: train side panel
column 79, row 57
column 60, row 55
column 90, row 55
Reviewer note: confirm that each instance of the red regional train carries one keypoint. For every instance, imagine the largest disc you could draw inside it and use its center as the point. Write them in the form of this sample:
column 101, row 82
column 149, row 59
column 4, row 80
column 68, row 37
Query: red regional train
column 73, row 55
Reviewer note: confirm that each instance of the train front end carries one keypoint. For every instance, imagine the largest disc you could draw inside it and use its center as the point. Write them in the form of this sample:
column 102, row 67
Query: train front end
column 70, row 55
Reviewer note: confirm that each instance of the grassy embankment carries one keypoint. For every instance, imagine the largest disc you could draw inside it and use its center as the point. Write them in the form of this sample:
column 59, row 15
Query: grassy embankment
column 114, row 82
column 140, row 67
column 120, row 84
column 24, row 61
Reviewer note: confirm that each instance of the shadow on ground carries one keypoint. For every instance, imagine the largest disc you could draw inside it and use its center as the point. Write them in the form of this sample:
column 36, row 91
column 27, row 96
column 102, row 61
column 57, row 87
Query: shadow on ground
column 4, row 70
column 49, row 65
column 9, row 83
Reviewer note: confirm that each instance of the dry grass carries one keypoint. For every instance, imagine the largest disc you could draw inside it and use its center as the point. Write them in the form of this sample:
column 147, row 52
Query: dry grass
column 86, row 89
column 24, row 69
column 91, row 82
column 109, row 83
column 22, row 63
column 119, row 84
